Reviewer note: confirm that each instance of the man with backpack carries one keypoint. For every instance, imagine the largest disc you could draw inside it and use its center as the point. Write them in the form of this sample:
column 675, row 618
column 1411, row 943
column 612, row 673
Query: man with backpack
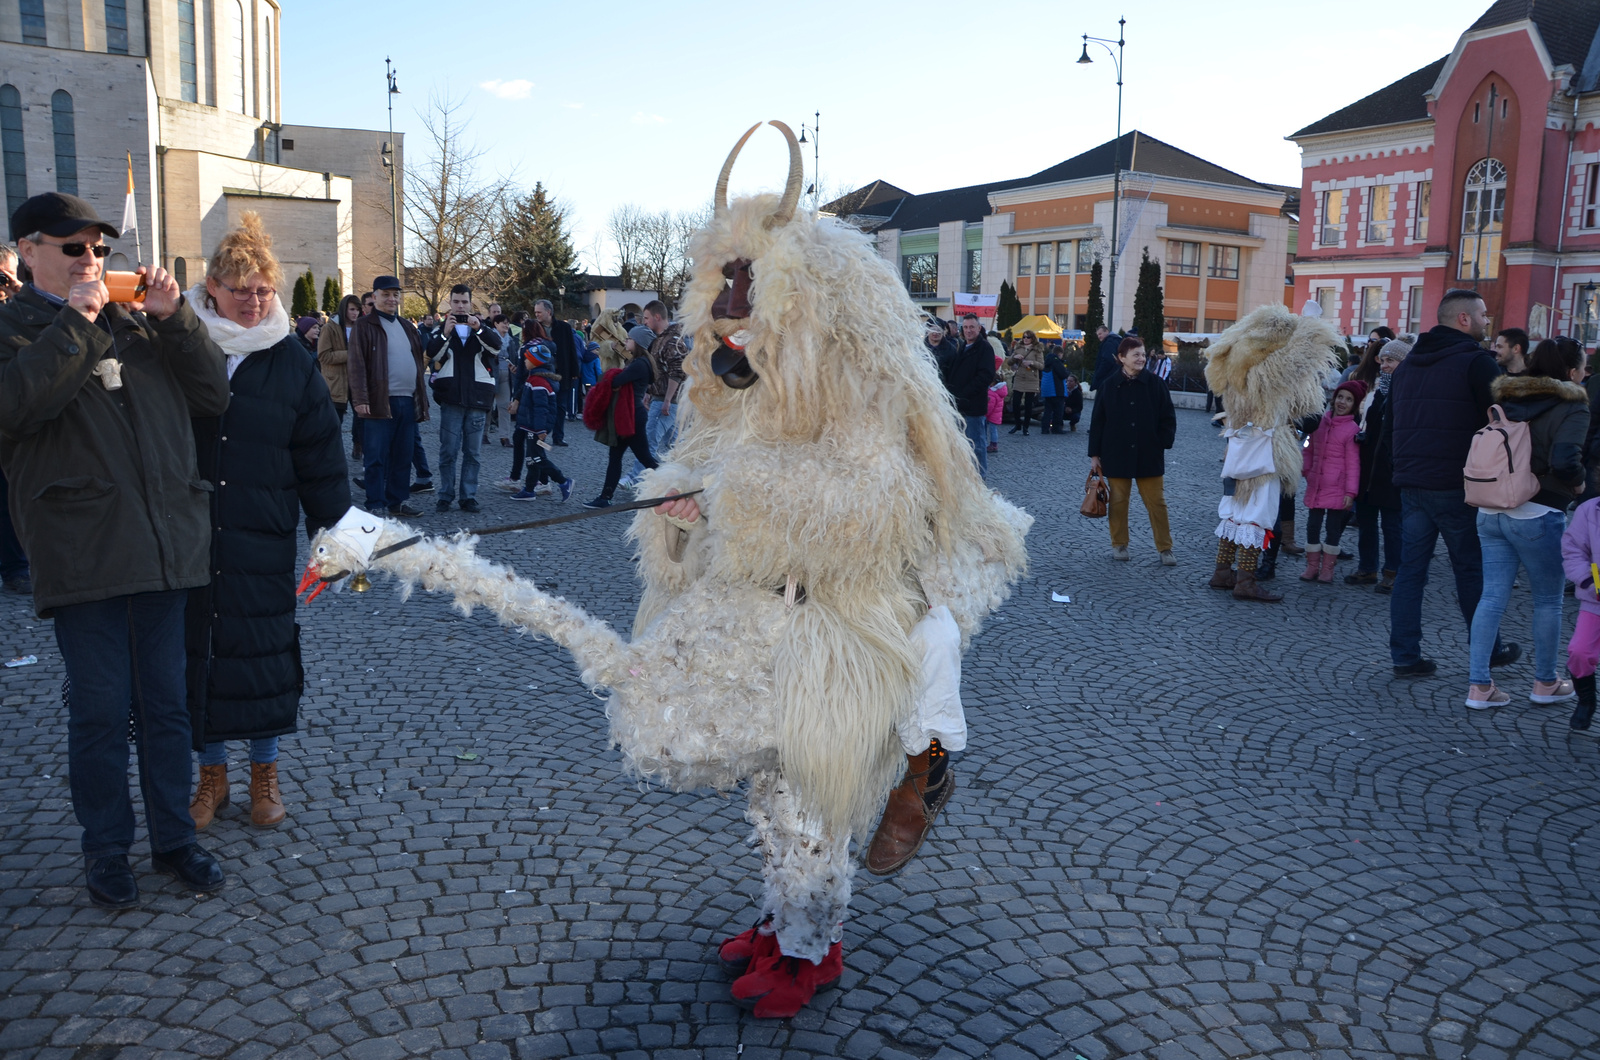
column 1438, row 399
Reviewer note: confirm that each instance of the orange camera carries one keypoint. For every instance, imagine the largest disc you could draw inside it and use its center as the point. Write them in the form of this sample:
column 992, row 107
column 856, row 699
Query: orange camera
column 125, row 286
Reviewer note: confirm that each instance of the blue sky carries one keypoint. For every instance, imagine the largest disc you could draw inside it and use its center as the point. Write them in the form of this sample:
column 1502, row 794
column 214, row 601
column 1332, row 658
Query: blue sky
column 639, row 102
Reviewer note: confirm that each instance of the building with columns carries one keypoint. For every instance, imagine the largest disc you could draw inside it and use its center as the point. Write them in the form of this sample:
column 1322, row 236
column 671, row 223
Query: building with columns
column 1480, row 170
column 1222, row 240
column 190, row 90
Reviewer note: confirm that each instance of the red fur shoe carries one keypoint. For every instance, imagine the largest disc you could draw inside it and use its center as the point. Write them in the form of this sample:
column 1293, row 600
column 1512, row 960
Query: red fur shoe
column 778, row 987
column 737, row 953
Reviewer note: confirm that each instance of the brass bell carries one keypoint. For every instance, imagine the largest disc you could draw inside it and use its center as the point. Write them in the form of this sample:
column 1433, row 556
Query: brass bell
column 360, row 583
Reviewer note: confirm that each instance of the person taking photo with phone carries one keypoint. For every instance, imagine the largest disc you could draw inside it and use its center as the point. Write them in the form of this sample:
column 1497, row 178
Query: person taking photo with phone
column 95, row 440
column 463, row 355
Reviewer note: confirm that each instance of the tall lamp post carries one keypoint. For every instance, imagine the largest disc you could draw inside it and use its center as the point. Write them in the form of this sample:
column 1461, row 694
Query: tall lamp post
column 388, row 160
column 816, row 157
column 1116, row 171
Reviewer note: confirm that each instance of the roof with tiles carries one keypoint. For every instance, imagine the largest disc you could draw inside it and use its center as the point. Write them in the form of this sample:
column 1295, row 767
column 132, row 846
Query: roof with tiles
column 1138, row 151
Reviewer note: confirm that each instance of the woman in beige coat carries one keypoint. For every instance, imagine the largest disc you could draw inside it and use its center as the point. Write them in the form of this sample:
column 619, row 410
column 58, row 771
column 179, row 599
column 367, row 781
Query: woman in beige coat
column 1025, row 361
column 333, row 356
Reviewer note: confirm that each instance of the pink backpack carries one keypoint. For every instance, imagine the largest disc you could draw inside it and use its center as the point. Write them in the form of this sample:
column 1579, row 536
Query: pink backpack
column 1499, row 471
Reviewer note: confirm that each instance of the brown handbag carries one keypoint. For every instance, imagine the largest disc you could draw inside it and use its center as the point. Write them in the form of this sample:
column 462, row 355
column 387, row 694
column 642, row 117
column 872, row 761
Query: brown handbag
column 1096, row 496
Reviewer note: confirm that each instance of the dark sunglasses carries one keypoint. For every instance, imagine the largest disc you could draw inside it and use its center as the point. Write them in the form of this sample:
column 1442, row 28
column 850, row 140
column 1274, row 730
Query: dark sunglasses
column 76, row 250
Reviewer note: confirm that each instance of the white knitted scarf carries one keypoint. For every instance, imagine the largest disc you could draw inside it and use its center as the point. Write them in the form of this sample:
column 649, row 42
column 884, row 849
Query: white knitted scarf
column 237, row 341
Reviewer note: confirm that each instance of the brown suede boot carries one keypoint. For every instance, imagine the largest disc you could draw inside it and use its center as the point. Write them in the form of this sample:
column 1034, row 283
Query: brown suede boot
column 1286, row 536
column 909, row 815
column 266, row 804
column 1223, row 577
column 210, row 795
column 1247, row 588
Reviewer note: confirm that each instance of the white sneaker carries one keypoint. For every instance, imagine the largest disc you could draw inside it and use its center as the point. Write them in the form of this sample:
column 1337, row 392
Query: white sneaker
column 1485, row 697
column 1560, row 691
column 510, row 485
column 543, row 487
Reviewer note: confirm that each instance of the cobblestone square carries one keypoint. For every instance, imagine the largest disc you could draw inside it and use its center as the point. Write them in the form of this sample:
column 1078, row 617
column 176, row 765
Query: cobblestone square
column 1185, row 827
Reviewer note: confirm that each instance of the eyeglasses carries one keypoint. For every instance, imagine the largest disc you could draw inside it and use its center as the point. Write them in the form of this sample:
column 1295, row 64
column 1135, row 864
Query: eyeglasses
column 76, row 250
column 246, row 294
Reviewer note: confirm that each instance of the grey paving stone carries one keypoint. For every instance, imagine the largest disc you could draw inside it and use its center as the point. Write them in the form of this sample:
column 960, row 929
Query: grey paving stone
column 1185, row 827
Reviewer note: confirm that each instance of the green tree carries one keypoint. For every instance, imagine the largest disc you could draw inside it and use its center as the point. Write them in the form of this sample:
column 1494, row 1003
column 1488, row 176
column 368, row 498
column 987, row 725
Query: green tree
column 331, row 295
column 305, row 296
column 1149, row 314
column 536, row 255
column 1008, row 310
column 1095, row 316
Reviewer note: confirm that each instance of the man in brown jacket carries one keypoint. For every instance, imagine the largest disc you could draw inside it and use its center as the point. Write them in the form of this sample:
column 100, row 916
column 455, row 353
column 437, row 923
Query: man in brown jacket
column 333, row 356
column 387, row 388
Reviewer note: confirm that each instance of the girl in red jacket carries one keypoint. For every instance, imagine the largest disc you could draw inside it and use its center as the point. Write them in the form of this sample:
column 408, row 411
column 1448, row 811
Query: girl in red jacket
column 1333, row 478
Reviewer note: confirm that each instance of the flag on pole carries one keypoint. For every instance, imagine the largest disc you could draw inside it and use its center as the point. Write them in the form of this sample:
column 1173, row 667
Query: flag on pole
column 130, row 213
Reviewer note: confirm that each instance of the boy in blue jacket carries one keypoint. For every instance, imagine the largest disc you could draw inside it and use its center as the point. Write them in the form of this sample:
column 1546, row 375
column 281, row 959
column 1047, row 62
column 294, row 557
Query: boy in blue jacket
column 535, row 409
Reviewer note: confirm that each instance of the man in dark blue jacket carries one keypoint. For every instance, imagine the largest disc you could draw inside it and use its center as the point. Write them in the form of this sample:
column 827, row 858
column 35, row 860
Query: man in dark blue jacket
column 462, row 354
column 1438, row 400
column 968, row 376
column 1105, row 363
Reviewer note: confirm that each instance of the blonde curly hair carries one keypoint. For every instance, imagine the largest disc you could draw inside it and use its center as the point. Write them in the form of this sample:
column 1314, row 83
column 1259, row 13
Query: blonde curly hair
column 243, row 251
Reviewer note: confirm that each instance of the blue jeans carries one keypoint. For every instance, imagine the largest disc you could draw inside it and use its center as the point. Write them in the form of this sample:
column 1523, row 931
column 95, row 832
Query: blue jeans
column 660, row 431
column 13, row 561
column 386, row 447
column 120, row 653
column 460, row 432
column 1426, row 515
column 977, row 433
column 419, row 457
column 261, row 752
column 1508, row 543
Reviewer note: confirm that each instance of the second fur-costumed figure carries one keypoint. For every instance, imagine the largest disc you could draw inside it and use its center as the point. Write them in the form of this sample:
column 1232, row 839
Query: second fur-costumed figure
column 802, row 619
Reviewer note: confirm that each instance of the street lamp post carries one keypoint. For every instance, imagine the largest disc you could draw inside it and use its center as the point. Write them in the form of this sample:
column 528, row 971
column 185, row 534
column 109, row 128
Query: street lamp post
column 816, row 157
column 388, row 160
column 1116, row 171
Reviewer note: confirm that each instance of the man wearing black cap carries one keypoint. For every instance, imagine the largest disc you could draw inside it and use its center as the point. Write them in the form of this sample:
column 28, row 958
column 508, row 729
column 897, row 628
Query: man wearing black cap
column 387, row 391
column 95, row 404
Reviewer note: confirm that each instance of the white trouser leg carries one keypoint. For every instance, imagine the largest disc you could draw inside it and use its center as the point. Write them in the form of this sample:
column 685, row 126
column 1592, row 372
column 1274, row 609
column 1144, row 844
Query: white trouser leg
column 807, row 874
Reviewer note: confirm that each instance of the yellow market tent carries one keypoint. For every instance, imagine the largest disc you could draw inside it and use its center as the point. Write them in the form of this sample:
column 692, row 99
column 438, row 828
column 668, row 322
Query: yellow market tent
column 1042, row 327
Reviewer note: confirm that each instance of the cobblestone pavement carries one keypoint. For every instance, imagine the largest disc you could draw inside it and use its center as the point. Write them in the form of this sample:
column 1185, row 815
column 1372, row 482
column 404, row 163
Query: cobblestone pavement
column 1186, row 827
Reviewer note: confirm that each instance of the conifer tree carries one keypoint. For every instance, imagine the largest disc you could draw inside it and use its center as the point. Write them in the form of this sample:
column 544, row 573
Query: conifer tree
column 1149, row 314
column 1008, row 310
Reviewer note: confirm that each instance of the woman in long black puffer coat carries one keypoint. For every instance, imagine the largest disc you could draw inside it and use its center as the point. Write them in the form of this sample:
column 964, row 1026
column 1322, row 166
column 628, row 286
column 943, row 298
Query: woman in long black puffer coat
column 275, row 451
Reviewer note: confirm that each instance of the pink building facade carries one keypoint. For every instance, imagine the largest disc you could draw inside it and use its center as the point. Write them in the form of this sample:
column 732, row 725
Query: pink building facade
column 1480, row 170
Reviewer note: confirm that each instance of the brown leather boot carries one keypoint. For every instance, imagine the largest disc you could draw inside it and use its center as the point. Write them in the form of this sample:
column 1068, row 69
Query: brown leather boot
column 1286, row 535
column 1247, row 588
column 266, row 804
column 210, row 795
column 908, row 817
column 1223, row 578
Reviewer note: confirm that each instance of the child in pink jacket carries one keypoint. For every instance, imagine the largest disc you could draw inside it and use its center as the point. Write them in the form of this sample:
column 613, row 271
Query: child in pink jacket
column 1333, row 478
column 1580, row 552
column 997, row 406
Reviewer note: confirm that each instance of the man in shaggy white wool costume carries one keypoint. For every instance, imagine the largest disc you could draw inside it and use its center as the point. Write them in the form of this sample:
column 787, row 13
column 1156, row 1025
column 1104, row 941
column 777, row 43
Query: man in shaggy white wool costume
column 803, row 616
column 1268, row 368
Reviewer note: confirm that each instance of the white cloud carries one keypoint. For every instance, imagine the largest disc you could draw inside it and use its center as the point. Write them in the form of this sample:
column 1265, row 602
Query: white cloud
column 518, row 89
column 573, row 106
column 641, row 118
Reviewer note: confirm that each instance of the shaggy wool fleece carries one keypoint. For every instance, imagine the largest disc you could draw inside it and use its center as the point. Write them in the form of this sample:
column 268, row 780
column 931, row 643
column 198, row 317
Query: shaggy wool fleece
column 1269, row 369
column 843, row 474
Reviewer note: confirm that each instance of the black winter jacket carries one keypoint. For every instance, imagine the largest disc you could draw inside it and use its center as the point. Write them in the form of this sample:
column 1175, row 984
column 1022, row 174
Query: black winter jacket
column 274, row 452
column 1132, row 426
column 1377, row 456
column 968, row 375
column 464, row 373
column 1440, row 398
column 104, row 492
column 566, row 344
column 1557, row 415
column 1105, row 362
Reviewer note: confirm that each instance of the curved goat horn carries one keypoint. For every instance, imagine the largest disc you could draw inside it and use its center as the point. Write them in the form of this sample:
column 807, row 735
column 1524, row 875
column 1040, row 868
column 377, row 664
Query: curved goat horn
column 720, row 199
column 791, row 191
